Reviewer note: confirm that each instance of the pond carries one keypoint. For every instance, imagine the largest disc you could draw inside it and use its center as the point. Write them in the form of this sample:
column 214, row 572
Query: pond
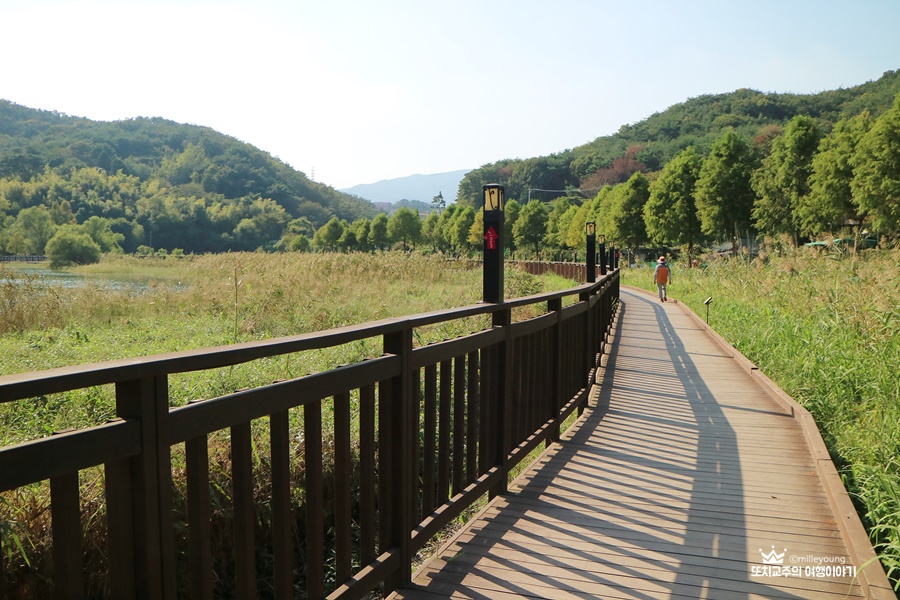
column 67, row 279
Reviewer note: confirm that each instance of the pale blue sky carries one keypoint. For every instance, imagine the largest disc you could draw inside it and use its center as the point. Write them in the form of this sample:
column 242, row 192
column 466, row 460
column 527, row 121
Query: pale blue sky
column 360, row 91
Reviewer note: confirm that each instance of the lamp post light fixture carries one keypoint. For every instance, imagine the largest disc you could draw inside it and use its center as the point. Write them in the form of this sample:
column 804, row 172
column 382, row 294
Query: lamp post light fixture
column 493, row 197
column 493, row 242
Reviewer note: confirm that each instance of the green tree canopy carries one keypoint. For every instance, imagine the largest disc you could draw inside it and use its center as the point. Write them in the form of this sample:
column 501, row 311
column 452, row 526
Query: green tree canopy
column 378, row 231
column 71, row 246
column 557, row 231
column 329, row 235
column 876, row 181
column 101, row 232
column 34, row 226
column 724, row 194
column 531, row 226
column 626, row 212
column 784, row 177
column 670, row 213
column 431, row 231
column 830, row 202
column 465, row 218
column 405, row 226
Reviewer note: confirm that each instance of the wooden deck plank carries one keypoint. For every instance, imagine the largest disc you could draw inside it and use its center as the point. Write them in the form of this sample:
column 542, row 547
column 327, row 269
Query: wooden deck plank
column 684, row 470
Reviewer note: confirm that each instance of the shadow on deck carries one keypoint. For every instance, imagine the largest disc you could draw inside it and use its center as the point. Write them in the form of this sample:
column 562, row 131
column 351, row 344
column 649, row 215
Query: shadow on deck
column 678, row 482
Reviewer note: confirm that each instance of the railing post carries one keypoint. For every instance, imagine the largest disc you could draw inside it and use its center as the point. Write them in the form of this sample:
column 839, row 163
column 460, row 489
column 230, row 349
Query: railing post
column 590, row 340
column 142, row 539
column 556, row 362
column 403, row 485
column 502, row 377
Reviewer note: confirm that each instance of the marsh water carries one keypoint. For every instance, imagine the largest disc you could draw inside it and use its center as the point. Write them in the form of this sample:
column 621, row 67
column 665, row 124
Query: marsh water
column 67, row 279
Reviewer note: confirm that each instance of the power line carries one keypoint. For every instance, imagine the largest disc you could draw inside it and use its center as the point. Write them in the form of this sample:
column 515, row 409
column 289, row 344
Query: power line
column 578, row 190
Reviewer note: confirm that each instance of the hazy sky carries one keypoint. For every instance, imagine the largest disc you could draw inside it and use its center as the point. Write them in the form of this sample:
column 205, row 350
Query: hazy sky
column 357, row 91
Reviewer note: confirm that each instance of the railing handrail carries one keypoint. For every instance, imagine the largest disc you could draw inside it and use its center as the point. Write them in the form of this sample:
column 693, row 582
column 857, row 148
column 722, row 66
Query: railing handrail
column 62, row 379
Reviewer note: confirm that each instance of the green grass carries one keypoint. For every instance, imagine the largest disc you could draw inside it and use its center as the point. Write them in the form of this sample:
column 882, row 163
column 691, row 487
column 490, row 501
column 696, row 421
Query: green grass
column 824, row 327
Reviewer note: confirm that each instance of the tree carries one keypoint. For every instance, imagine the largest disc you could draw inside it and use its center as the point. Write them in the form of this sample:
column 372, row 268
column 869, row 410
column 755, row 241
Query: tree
column 437, row 203
column 510, row 215
column 329, row 234
column 476, row 231
column 35, row 226
column 405, row 226
column 626, row 212
column 531, row 226
column 348, row 240
column 830, row 202
column 445, row 227
column 876, row 180
column 431, row 231
column 601, row 210
column 299, row 243
column 784, row 177
column 555, row 238
column 378, row 232
column 670, row 213
column 465, row 218
column 70, row 245
column 724, row 194
column 576, row 236
column 101, row 232
column 360, row 228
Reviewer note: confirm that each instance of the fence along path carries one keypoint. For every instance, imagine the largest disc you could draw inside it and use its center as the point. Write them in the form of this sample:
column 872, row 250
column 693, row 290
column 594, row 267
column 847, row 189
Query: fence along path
column 328, row 483
column 684, row 470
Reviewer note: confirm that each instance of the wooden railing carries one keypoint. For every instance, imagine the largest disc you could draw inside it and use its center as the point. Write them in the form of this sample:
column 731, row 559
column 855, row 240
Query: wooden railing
column 419, row 434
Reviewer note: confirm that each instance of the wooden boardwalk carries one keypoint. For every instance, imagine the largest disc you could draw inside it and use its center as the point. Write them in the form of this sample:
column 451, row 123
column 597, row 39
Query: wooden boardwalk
column 686, row 469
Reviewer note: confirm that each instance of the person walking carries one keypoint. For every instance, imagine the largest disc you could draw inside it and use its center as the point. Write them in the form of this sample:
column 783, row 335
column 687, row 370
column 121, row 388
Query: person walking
column 662, row 276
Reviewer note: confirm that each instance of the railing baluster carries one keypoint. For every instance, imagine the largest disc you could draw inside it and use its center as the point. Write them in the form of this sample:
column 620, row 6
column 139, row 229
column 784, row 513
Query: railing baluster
column 472, row 420
column 120, row 527
column 385, row 466
column 199, row 538
column 315, row 542
column 367, row 479
column 459, row 423
column 65, row 510
column 429, row 435
column 244, row 512
column 486, row 427
column 282, row 523
column 443, row 476
column 343, row 472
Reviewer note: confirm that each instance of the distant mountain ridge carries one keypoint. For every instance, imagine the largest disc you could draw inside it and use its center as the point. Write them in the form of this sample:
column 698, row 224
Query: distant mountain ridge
column 412, row 187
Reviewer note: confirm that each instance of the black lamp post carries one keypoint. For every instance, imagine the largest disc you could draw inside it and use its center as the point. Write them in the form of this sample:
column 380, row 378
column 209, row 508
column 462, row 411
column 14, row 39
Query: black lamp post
column 590, row 230
column 493, row 242
column 602, row 254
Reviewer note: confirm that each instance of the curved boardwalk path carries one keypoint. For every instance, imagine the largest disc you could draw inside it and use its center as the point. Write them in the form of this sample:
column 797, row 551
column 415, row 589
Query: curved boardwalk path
column 684, row 471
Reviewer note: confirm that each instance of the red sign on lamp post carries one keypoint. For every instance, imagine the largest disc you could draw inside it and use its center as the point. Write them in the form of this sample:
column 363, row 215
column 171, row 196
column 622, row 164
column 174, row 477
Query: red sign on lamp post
column 491, row 238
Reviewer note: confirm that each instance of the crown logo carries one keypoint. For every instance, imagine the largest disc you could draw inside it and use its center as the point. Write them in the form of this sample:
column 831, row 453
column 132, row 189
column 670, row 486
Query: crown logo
column 772, row 558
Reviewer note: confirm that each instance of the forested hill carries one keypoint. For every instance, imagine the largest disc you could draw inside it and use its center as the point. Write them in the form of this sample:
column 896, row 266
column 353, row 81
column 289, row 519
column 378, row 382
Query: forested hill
column 175, row 185
column 649, row 144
